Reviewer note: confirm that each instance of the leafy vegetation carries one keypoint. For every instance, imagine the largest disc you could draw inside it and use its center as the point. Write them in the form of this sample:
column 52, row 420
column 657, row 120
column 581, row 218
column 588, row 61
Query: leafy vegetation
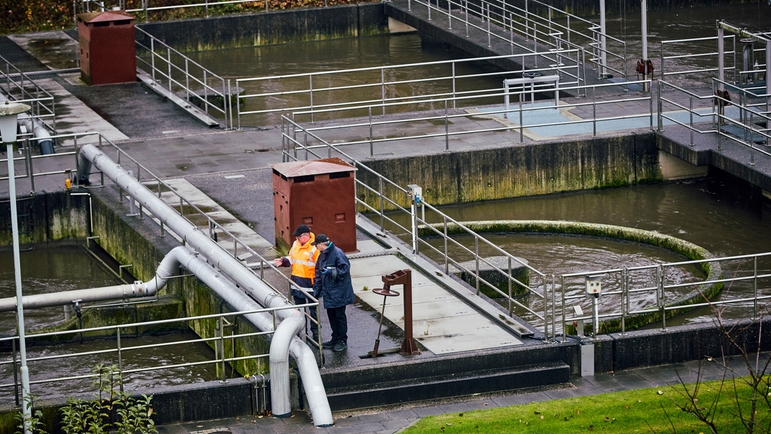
column 33, row 424
column 24, row 16
column 111, row 411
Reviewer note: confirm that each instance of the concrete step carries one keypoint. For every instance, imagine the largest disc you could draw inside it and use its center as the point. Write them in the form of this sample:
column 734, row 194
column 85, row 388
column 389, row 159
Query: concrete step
column 404, row 389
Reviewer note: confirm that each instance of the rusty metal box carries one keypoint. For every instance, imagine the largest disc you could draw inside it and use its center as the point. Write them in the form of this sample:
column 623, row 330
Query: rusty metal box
column 318, row 193
column 107, row 47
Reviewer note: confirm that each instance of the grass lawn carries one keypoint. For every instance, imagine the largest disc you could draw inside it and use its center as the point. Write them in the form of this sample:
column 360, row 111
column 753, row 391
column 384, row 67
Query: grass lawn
column 635, row 411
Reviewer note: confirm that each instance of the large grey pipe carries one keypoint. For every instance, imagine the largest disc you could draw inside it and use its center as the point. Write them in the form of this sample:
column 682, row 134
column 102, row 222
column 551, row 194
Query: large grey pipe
column 38, row 130
column 264, row 295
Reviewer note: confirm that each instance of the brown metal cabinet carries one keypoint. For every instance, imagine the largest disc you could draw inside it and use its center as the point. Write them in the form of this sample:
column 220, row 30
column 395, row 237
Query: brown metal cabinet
column 107, row 48
column 318, row 193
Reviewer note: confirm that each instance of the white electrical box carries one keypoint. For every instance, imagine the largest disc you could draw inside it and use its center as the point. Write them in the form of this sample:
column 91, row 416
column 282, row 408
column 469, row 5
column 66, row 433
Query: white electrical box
column 593, row 285
column 416, row 192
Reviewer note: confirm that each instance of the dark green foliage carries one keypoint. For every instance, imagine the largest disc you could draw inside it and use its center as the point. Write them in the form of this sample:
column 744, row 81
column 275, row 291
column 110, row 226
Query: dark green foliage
column 112, row 410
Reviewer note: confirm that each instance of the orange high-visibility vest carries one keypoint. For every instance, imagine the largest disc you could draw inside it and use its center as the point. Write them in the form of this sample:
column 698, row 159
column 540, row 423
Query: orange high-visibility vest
column 303, row 258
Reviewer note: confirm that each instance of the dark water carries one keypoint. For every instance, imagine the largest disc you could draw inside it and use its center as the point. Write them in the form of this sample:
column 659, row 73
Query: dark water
column 62, row 267
column 399, row 49
column 668, row 25
column 343, row 54
column 723, row 216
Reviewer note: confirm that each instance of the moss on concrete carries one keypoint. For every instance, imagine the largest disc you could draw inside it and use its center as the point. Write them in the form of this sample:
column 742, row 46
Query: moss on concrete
column 517, row 171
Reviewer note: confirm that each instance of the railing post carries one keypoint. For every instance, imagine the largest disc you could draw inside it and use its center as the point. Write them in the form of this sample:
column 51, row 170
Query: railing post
column 371, row 146
column 120, row 355
column 476, row 261
column 168, row 66
column 187, row 85
column 449, row 14
column 510, row 304
column 454, row 97
column 446, row 129
column 594, row 111
column 446, row 258
column 152, row 57
column 624, row 299
column 660, row 297
column 219, row 348
column 562, row 316
column 382, row 90
column 690, row 113
column 489, row 41
column 755, row 287
column 380, row 195
column 310, row 94
column 467, row 18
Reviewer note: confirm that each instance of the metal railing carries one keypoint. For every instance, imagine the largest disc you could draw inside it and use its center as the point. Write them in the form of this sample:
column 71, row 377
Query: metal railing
column 557, row 30
column 433, row 234
column 667, row 292
column 185, row 78
column 391, row 198
column 18, row 86
column 695, row 59
column 119, row 353
column 373, row 131
column 388, row 89
column 741, row 121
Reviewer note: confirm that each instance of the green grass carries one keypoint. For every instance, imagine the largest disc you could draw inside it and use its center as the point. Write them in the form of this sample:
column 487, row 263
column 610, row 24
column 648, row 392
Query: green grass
column 635, row 411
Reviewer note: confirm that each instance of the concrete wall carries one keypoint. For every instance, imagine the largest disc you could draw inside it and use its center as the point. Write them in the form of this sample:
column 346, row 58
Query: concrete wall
column 506, row 172
column 44, row 218
column 278, row 27
column 679, row 344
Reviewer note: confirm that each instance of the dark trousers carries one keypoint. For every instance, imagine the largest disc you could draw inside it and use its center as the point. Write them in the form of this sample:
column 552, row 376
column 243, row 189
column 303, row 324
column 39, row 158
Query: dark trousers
column 311, row 311
column 338, row 322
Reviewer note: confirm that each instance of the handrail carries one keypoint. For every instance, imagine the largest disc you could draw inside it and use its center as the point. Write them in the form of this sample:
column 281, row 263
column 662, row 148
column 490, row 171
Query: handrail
column 177, row 73
column 446, row 117
column 527, row 24
column 669, row 69
column 289, row 151
column 668, row 290
column 113, row 332
column 17, row 87
column 364, row 78
column 749, row 132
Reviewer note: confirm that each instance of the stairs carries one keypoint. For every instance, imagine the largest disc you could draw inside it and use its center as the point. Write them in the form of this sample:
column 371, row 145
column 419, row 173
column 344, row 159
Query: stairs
column 412, row 382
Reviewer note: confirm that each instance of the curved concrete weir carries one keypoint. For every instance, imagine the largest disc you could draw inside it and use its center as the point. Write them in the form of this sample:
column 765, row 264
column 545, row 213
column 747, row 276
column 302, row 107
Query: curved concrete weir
column 284, row 341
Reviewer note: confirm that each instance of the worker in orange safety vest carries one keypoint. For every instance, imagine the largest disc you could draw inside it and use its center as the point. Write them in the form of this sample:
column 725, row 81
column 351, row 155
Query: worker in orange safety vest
column 302, row 258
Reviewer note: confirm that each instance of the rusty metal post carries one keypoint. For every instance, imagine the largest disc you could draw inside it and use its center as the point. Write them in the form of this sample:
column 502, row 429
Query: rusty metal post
column 404, row 277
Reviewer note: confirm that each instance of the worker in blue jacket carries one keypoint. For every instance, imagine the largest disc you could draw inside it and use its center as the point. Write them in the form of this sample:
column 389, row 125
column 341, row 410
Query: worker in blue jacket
column 333, row 285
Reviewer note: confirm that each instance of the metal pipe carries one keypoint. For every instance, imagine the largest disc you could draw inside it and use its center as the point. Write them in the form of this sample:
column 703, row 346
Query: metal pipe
column 262, row 293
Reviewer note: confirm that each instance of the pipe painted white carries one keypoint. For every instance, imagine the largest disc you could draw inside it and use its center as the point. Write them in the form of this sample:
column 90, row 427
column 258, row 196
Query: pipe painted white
column 166, row 269
column 264, row 295
column 38, row 301
column 38, row 130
